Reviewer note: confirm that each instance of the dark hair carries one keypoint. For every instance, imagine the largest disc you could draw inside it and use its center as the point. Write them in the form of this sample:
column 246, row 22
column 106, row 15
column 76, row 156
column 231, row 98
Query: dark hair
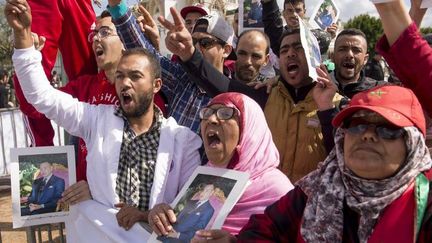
column 104, row 14
column 351, row 32
column 294, row 2
column 286, row 33
column 155, row 67
column 267, row 50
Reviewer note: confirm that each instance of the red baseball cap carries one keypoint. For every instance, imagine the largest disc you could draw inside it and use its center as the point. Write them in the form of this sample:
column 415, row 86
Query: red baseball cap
column 198, row 7
column 396, row 104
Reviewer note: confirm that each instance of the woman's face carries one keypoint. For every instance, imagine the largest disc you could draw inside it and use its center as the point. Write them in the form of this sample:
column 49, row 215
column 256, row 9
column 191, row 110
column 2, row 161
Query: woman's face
column 370, row 156
column 220, row 136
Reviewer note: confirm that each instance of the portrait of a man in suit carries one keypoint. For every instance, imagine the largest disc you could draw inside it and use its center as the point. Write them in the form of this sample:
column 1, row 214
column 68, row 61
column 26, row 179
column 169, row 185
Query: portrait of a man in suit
column 46, row 191
column 195, row 215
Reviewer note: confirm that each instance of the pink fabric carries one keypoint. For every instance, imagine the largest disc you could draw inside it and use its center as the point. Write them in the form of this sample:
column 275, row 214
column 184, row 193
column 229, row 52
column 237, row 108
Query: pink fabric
column 256, row 154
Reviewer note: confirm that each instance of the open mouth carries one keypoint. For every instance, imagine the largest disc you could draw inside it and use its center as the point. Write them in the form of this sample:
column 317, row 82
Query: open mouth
column 127, row 99
column 348, row 65
column 213, row 139
column 99, row 51
column 292, row 68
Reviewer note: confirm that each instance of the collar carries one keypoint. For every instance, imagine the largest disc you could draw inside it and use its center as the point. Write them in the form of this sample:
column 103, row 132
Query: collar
column 157, row 118
column 297, row 94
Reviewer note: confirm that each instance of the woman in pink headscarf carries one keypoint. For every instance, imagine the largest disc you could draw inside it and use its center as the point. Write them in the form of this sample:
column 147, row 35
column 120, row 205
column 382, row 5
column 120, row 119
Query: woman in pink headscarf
column 236, row 136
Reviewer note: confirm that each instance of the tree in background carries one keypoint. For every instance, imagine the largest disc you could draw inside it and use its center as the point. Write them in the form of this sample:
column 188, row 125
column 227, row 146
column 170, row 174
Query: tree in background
column 6, row 43
column 372, row 28
column 370, row 25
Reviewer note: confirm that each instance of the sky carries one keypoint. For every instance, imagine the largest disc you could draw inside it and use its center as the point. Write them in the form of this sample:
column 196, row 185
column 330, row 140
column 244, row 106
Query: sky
column 348, row 9
column 351, row 8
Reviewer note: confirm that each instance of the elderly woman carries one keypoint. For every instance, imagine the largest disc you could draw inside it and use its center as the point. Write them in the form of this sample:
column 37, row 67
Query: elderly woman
column 236, row 136
column 373, row 187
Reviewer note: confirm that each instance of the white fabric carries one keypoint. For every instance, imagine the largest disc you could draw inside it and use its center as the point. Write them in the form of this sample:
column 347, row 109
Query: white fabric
column 91, row 222
column 102, row 131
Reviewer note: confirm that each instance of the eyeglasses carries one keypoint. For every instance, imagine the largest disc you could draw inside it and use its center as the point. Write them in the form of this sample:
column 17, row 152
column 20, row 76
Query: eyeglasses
column 222, row 113
column 207, row 42
column 102, row 33
column 384, row 131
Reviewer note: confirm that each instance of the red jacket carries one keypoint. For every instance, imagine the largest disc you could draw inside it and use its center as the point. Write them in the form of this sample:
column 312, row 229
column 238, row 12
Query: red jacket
column 410, row 57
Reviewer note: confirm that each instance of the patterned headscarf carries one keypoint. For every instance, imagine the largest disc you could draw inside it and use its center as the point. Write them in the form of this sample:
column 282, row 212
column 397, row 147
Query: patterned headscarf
column 332, row 183
column 256, row 154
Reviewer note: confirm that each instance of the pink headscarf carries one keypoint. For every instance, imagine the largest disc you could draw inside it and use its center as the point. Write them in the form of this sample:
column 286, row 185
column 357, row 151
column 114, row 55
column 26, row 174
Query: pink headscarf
column 256, row 154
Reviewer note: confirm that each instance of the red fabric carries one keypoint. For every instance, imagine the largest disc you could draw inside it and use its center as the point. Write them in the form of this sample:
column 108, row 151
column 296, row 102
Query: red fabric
column 410, row 57
column 65, row 25
column 407, row 111
column 397, row 217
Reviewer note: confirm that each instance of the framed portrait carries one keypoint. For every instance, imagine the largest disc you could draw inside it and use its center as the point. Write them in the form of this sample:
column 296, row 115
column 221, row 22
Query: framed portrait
column 39, row 175
column 325, row 14
column 204, row 202
column 250, row 15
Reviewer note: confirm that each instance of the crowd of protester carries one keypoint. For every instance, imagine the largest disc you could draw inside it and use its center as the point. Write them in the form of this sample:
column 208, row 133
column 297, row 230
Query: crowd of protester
column 351, row 142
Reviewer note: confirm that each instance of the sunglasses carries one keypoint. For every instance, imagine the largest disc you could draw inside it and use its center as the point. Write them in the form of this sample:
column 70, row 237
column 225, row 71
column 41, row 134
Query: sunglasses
column 384, row 131
column 207, row 42
column 102, row 33
column 222, row 113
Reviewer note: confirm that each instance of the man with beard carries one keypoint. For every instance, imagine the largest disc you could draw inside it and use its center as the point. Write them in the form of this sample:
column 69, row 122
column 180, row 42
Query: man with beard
column 289, row 108
column 350, row 56
column 213, row 37
column 94, row 88
column 252, row 54
column 124, row 143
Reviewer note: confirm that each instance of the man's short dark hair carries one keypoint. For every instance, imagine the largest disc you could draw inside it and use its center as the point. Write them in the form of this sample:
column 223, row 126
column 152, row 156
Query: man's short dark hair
column 294, row 2
column 104, row 14
column 286, row 33
column 155, row 67
column 267, row 50
column 351, row 32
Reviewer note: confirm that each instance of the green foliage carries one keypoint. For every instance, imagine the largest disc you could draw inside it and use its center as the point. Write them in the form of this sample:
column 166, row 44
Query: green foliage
column 370, row 25
column 27, row 171
column 6, row 43
column 426, row 30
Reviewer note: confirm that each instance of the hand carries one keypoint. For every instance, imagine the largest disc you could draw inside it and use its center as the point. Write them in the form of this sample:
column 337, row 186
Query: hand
column 332, row 30
column 325, row 90
column 129, row 215
column 18, row 14
column 160, row 219
column 34, row 207
column 178, row 39
column 38, row 41
column 269, row 83
column 76, row 193
column 173, row 234
column 149, row 26
column 213, row 236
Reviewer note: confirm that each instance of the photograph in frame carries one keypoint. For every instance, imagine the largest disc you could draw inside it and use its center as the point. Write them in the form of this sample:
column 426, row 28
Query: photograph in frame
column 325, row 14
column 204, row 202
column 250, row 15
column 39, row 175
